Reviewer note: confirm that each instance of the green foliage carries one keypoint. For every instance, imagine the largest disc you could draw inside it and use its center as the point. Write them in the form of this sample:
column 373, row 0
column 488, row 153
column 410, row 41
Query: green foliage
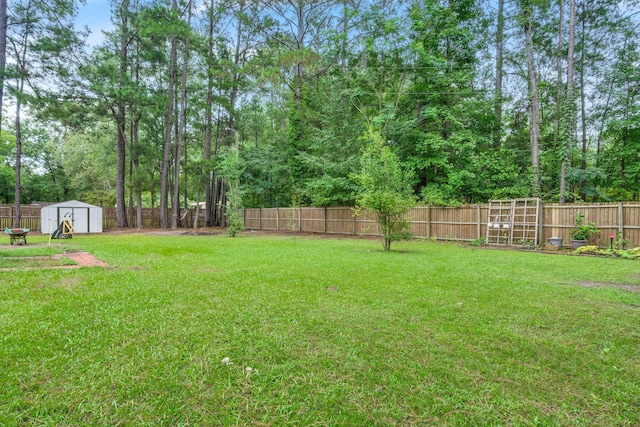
column 582, row 231
column 301, row 91
column 235, row 222
column 89, row 160
column 587, row 249
column 386, row 188
column 7, row 174
column 478, row 242
column 620, row 242
column 633, row 254
column 230, row 168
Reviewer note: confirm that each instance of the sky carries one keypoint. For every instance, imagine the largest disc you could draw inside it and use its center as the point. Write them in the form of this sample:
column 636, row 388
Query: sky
column 96, row 15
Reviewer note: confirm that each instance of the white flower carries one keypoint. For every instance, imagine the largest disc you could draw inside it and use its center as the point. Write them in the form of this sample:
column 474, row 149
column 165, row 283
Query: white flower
column 227, row 361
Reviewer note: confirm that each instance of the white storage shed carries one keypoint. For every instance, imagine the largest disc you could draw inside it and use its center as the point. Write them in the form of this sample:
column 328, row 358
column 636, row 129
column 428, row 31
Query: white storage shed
column 85, row 218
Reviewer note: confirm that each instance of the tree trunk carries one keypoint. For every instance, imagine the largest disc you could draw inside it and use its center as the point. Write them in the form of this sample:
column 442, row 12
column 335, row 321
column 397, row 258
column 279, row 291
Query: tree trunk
column 17, row 195
column 583, row 112
column 3, row 52
column 135, row 139
column 233, row 97
column 121, row 149
column 175, row 207
column 196, row 215
column 166, row 152
column 499, row 67
column 121, row 213
column 559, row 131
column 209, row 205
column 534, row 105
column 299, row 71
column 17, row 212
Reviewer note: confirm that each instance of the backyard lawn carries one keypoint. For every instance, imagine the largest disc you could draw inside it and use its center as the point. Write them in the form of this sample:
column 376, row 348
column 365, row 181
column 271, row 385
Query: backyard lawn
column 283, row 330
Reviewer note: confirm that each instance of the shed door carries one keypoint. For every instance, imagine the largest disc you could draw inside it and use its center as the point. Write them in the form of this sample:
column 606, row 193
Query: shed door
column 62, row 212
column 79, row 218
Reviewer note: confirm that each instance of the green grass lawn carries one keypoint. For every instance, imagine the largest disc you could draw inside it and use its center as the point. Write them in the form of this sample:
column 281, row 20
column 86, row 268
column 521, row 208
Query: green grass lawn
column 336, row 333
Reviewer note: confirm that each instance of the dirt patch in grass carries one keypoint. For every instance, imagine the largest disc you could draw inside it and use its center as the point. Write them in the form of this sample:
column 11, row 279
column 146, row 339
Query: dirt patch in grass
column 67, row 260
column 213, row 231
column 203, row 231
column 630, row 288
column 21, row 247
column 85, row 259
column 30, row 262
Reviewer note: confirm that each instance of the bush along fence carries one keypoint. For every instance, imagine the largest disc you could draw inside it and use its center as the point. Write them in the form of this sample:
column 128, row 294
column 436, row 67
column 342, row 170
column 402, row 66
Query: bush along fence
column 462, row 223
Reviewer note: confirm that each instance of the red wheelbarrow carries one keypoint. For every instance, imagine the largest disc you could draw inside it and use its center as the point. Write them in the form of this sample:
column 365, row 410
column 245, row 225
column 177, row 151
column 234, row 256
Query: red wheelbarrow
column 17, row 235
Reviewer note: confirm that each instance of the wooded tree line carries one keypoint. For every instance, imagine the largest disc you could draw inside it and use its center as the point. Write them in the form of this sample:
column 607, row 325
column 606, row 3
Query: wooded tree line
column 185, row 101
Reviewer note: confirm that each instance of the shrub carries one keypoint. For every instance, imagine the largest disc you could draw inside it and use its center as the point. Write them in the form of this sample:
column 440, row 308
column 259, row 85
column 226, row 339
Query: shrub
column 582, row 231
column 385, row 189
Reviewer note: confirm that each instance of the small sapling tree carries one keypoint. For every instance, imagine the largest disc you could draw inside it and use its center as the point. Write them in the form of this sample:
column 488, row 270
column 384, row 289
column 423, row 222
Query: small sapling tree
column 385, row 189
column 230, row 169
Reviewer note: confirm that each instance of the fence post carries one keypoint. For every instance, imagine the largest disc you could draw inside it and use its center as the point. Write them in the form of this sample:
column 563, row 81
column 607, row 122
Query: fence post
column 479, row 227
column 540, row 222
column 299, row 219
column 428, row 221
column 621, row 220
column 324, row 228
column 353, row 223
column 277, row 219
column 259, row 218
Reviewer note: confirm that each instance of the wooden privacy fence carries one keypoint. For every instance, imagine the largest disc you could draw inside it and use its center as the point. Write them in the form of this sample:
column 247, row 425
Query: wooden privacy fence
column 464, row 223
column 461, row 223
column 30, row 217
column 150, row 218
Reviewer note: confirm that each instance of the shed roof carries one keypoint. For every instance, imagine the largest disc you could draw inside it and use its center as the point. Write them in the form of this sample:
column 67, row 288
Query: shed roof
column 72, row 204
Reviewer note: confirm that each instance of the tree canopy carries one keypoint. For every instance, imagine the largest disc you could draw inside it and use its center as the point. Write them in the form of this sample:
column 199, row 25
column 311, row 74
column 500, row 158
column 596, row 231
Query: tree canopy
column 477, row 99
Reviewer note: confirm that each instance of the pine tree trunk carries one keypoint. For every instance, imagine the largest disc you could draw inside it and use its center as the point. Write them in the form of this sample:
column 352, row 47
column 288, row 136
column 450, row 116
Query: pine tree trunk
column 121, row 213
column 17, row 212
column 583, row 115
column 3, row 52
column 499, row 67
column 534, row 105
column 175, row 207
column 135, row 139
column 166, row 152
column 559, row 131
column 209, row 205
column 17, row 195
